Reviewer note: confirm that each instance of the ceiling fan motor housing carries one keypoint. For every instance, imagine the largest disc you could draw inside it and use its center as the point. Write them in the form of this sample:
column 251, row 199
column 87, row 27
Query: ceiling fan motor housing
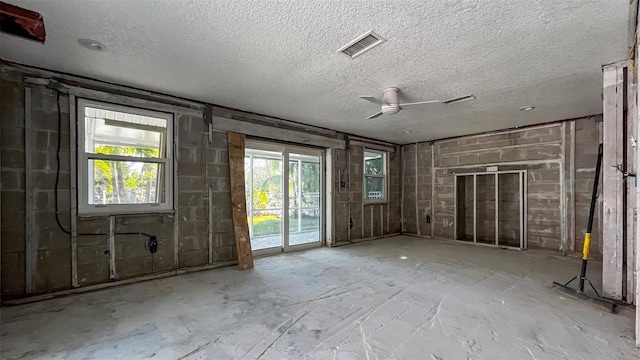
column 390, row 101
column 390, row 109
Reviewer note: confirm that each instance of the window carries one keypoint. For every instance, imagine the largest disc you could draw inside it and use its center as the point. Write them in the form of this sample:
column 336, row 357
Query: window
column 125, row 162
column 375, row 176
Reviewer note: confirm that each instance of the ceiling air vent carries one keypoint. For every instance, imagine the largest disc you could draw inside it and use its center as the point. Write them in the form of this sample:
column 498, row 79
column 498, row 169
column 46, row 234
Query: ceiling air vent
column 362, row 44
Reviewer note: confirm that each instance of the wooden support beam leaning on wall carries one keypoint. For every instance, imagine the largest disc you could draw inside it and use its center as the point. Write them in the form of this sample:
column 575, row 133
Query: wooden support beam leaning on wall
column 238, row 200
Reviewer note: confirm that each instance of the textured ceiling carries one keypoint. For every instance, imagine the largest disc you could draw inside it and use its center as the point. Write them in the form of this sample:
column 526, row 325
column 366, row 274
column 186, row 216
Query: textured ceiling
column 279, row 58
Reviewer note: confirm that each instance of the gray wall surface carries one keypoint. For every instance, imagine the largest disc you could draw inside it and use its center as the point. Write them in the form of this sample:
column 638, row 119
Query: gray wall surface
column 367, row 221
column 199, row 165
column 183, row 235
column 544, row 151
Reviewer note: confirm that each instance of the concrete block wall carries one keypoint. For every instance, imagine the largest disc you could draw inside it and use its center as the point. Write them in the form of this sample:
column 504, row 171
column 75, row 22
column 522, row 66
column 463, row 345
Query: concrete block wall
column 486, row 209
column 508, row 209
column 409, row 179
column 349, row 208
column 200, row 165
column 13, row 186
column 587, row 134
column 417, row 189
column 541, row 150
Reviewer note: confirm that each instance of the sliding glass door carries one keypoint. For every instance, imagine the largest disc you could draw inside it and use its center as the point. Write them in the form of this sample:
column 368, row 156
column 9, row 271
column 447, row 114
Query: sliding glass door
column 284, row 196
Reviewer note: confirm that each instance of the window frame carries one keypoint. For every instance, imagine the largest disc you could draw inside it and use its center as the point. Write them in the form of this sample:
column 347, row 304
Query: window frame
column 384, row 177
column 83, row 158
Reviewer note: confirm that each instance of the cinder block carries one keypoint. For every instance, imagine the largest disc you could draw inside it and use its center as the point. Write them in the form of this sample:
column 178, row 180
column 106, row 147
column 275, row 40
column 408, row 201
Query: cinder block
column 93, row 254
column 51, row 239
column 211, row 156
column 47, row 260
column 223, row 254
column 95, row 273
column 224, row 239
column 12, row 158
column 193, row 258
column 223, row 155
column 217, row 170
column 12, row 179
column 191, row 183
column 12, row 137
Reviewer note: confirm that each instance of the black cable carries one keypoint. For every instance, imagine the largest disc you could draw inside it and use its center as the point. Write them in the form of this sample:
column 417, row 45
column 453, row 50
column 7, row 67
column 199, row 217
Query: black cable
column 55, row 192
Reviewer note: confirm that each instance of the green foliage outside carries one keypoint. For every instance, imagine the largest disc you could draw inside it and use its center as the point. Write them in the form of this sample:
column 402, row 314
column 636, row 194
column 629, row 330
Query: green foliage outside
column 118, row 178
column 267, row 194
column 374, row 167
column 271, row 224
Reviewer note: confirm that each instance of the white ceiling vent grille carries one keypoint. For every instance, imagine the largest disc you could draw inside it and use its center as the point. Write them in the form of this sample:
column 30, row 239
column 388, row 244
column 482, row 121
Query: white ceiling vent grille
column 362, row 44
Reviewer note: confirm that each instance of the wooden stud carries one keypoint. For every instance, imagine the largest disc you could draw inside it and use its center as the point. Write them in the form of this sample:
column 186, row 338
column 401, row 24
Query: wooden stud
column 637, row 189
column 74, row 190
column 113, row 274
column 30, row 255
column 612, row 230
column 416, row 194
column 433, row 191
column 572, row 186
column 563, row 191
column 238, row 200
column 632, row 120
column 402, row 166
column 460, row 201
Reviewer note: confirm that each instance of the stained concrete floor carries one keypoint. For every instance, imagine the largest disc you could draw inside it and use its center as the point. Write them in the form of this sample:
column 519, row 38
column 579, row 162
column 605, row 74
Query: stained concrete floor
column 445, row 301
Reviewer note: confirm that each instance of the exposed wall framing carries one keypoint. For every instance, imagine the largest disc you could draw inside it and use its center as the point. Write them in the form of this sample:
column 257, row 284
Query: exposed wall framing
column 613, row 181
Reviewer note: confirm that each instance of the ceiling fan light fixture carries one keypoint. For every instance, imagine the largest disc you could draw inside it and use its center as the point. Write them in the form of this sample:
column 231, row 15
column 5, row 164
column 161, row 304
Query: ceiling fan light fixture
column 92, row 44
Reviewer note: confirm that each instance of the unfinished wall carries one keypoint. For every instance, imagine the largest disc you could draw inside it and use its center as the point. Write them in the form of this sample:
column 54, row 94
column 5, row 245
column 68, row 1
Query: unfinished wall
column 545, row 152
column 353, row 219
column 416, row 184
column 39, row 256
column 49, row 264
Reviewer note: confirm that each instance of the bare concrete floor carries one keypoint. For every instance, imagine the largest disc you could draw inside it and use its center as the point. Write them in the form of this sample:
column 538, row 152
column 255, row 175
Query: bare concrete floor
column 445, row 301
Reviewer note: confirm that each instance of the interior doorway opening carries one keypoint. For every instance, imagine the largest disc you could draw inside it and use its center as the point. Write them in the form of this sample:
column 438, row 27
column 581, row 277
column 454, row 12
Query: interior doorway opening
column 491, row 208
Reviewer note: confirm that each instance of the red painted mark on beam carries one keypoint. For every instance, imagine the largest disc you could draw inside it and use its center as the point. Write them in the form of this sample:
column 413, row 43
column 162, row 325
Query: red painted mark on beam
column 21, row 22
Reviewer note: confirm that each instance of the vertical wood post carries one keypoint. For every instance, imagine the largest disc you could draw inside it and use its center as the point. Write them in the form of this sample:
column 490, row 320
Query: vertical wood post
column 636, row 109
column 238, row 200
column 73, row 190
column 632, row 120
column 416, row 193
column 612, row 192
column 30, row 254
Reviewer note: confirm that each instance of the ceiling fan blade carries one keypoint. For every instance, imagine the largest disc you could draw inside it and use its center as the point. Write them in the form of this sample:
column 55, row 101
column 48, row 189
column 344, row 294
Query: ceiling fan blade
column 459, row 99
column 421, row 103
column 371, row 99
column 379, row 113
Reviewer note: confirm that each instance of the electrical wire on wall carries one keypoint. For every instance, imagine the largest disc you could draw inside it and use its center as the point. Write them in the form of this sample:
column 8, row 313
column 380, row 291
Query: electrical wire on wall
column 152, row 241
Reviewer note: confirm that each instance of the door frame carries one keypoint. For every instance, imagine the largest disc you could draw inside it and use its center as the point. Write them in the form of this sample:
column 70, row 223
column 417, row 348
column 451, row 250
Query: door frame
column 285, row 150
column 523, row 188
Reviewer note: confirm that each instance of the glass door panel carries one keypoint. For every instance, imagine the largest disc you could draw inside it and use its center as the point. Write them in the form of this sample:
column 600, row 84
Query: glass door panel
column 304, row 199
column 265, row 206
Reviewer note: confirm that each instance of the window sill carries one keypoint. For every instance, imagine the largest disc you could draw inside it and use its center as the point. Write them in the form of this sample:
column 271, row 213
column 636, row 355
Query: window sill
column 125, row 213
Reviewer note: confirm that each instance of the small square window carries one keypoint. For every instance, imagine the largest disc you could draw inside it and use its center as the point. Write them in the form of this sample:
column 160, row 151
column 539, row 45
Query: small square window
column 375, row 176
column 125, row 162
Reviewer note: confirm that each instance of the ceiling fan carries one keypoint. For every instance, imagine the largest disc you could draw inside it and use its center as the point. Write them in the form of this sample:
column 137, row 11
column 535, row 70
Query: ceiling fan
column 391, row 104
